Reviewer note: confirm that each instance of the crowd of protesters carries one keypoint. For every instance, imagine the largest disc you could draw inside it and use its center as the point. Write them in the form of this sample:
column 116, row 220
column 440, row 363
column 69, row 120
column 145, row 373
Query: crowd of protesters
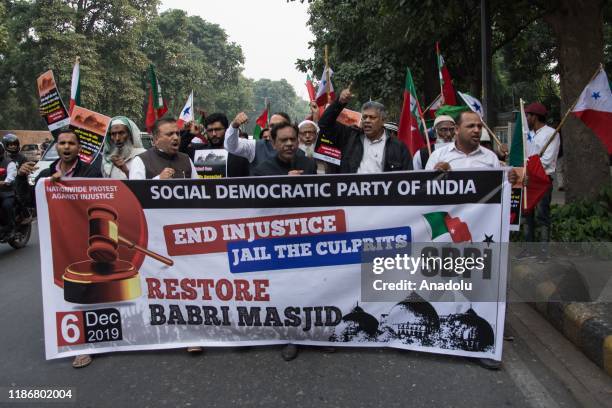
column 284, row 148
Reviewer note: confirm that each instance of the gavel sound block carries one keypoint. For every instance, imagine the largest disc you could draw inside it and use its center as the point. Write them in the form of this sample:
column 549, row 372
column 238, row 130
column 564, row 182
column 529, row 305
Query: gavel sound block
column 104, row 278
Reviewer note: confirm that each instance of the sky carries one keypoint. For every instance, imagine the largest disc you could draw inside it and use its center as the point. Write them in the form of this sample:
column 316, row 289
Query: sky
column 272, row 33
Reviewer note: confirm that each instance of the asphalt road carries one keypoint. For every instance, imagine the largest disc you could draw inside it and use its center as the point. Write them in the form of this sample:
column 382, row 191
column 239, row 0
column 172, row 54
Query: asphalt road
column 541, row 369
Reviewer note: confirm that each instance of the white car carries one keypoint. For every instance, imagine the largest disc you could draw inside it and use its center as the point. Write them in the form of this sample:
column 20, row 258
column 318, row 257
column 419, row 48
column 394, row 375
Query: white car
column 49, row 156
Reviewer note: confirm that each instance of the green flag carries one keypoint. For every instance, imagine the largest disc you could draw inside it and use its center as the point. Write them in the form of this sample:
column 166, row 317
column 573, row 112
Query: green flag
column 517, row 148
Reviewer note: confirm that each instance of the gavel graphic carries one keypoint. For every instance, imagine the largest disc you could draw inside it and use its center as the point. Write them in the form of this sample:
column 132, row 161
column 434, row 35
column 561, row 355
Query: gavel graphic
column 104, row 238
column 104, row 277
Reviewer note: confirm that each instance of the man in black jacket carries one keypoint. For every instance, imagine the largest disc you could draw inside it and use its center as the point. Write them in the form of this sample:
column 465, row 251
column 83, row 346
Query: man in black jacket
column 68, row 165
column 369, row 149
column 286, row 161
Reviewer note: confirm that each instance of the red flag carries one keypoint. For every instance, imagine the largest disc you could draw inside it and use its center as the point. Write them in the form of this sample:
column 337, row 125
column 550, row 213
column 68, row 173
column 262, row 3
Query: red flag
column 458, row 229
column 408, row 131
column 538, row 182
column 446, row 82
column 150, row 117
column 310, row 88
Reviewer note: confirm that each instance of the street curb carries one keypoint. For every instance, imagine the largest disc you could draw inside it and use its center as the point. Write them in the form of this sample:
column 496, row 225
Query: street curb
column 555, row 290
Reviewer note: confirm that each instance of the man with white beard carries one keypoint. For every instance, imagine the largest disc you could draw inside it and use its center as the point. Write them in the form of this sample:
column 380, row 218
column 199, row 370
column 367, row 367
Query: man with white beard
column 444, row 128
column 121, row 145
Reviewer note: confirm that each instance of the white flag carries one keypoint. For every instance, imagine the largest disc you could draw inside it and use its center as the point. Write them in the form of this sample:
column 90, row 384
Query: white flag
column 473, row 103
column 187, row 112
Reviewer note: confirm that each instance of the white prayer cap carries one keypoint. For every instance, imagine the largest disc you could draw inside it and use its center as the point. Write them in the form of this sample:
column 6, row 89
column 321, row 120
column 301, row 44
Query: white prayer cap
column 443, row 118
column 308, row 122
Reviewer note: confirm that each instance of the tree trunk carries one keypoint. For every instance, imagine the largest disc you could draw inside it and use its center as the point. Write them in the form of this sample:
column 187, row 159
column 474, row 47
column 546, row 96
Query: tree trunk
column 578, row 28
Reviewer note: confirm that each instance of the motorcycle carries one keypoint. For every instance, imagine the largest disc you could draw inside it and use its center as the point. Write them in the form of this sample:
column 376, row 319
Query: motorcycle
column 20, row 235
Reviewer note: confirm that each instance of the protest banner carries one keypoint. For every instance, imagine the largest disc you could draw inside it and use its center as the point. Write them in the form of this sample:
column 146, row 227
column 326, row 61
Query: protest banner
column 91, row 128
column 154, row 264
column 210, row 163
column 326, row 148
column 51, row 107
column 349, row 118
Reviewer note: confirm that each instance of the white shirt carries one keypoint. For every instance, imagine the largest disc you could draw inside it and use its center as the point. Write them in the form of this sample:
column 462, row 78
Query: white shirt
column 373, row 154
column 11, row 173
column 536, row 141
column 481, row 157
column 138, row 171
column 417, row 161
column 238, row 146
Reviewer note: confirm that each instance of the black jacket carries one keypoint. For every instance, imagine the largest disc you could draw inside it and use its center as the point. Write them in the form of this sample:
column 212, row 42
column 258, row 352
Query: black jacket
column 276, row 167
column 25, row 192
column 350, row 141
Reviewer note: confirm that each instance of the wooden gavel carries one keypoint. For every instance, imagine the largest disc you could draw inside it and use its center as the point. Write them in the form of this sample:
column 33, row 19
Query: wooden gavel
column 104, row 238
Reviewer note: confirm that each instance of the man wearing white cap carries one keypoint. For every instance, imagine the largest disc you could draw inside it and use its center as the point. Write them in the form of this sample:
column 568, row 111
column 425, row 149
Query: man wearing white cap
column 444, row 128
column 307, row 138
column 121, row 145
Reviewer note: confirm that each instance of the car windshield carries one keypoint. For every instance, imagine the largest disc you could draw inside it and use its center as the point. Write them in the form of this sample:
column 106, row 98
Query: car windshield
column 51, row 153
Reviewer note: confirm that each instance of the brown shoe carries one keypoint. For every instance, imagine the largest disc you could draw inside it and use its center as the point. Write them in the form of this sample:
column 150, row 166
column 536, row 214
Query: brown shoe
column 81, row 361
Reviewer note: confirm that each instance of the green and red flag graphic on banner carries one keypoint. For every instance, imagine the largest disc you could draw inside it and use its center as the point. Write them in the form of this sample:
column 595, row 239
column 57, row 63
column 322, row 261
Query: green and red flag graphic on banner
column 446, row 82
column 410, row 131
column 157, row 106
column 441, row 222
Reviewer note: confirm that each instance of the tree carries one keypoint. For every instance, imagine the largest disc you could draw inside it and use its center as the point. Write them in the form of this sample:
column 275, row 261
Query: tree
column 542, row 49
column 282, row 97
column 578, row 29
column 116, row 41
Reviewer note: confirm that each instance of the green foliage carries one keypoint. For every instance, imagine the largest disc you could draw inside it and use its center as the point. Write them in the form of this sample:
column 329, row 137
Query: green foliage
column 116, row 41
column 585, row 220
column 282, row 98
column 371, row 43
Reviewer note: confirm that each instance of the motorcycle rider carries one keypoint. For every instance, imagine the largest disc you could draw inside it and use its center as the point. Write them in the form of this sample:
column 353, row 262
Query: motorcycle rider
column 8, row 172
column 12, row 146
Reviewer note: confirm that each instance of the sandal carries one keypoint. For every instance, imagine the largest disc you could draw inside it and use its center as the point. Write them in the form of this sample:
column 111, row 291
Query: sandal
column 82, row 360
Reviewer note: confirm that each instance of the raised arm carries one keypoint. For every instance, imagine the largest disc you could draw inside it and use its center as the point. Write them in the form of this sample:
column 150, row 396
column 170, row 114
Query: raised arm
column 234, row 144
column 327, row 122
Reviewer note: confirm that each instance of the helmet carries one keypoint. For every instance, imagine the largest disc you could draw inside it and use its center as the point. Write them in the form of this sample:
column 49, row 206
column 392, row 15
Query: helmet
column 8, row 141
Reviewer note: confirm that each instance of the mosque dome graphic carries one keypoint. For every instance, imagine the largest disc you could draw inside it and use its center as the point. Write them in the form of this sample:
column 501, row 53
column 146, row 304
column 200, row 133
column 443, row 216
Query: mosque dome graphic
column 358, row 325
column 468, row 331
column 413, row 321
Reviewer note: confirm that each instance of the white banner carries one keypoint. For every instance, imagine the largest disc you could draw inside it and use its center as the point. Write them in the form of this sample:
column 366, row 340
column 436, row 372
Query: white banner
column 137, row 265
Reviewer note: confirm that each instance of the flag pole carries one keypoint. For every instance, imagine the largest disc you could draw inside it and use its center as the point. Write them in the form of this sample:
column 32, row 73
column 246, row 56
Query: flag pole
column 550, row 139
column 439, row 71
column 431, row 104
column 327, row 91
column 424, row 128
column 522, row 109
column 493, row 135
